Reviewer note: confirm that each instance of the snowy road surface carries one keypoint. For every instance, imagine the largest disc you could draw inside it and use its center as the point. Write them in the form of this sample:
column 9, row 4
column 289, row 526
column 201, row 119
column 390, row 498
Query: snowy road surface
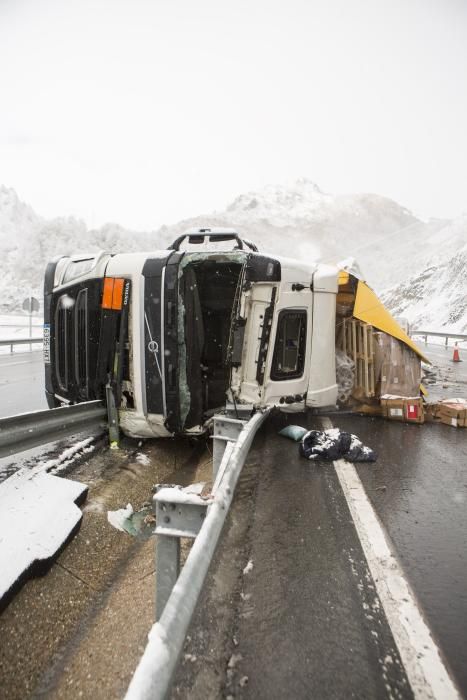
column 21, row 383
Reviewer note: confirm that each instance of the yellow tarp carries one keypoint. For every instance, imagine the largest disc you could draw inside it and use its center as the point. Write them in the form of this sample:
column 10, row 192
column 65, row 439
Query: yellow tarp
column 369, row 308
column 343, row 277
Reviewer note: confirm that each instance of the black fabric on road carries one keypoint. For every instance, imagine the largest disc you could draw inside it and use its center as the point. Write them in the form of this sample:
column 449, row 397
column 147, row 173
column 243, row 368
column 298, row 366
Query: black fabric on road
column 335, row 444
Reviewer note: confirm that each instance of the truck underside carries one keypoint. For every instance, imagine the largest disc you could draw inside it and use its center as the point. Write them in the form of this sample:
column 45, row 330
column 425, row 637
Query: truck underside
column 207, row 294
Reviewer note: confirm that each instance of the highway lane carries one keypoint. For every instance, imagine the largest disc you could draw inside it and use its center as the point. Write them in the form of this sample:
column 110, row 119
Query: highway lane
column 21, row 383
column 305, row 618
column 419, row 490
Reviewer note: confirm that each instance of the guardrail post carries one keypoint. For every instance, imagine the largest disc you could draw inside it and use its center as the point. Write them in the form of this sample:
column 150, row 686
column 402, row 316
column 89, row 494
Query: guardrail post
column 226, row 429
column 178, row 514
column 167, row 569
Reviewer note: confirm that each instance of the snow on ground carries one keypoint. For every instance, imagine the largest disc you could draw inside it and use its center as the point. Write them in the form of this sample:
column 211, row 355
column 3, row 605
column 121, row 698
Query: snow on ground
column 248, row 567
column 38, row 513
column 16, row 326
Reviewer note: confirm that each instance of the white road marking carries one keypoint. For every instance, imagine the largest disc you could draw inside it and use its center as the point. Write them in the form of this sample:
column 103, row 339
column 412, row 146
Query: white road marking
column 419, row 653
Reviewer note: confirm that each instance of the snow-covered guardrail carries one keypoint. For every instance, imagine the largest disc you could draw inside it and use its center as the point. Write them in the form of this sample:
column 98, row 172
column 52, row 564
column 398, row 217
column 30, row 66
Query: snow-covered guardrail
column 178, row 516
column 27, row 430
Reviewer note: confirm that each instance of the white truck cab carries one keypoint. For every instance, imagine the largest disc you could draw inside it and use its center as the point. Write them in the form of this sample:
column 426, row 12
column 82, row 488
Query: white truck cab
column 176, row 333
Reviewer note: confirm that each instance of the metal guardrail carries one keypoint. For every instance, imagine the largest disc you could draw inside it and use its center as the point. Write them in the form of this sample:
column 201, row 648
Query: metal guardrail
column 455, row 336
column 27, row 430
column 178, row 594
column 18, row 325
column 20, row 341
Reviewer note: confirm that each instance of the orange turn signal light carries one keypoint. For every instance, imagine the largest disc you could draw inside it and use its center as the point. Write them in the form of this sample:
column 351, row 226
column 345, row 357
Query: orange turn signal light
column 112, row 294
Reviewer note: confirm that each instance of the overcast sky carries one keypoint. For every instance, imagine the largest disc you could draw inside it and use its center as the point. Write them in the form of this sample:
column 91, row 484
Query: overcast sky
column 144, row 112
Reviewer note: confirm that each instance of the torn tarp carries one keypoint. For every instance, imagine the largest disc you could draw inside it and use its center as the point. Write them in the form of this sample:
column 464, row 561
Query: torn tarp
column 335, row 444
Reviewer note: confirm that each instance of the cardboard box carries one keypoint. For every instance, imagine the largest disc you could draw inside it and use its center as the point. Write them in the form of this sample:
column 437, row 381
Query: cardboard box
column 397, row 367
column 401, row 408
column 432, row 413
column 453, row 414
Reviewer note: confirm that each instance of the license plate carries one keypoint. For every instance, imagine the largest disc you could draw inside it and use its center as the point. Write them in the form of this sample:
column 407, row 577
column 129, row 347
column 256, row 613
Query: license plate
column 47, row 343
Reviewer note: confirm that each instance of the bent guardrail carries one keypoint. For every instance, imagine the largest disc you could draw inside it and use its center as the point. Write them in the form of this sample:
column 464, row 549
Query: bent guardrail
column 27, row 430
column 178, row 594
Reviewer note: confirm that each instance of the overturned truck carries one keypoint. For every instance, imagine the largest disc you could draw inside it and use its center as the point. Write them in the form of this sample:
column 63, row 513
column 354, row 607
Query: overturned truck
column 170, row 336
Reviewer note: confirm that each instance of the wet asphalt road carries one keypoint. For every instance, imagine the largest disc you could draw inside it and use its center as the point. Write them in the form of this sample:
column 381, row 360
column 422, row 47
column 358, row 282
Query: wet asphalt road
column 451, row 376
column 21, row 383
column 306, row 620
column 418, row 488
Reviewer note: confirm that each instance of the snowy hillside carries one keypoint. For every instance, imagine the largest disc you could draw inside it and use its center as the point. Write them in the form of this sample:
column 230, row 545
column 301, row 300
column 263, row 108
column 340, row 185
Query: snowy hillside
column 297, row 220
column 435, row 298
column 28, row 242
column 301, row 220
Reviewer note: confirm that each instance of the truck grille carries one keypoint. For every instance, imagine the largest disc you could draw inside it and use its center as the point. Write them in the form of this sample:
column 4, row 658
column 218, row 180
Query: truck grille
column 71, row 344
column 81, row 343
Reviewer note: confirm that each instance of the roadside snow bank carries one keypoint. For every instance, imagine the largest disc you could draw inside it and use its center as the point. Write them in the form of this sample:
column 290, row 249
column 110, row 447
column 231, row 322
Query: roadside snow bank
column 38, row 513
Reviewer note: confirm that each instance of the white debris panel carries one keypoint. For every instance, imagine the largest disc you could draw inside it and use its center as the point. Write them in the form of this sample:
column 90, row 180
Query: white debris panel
column 38, row 513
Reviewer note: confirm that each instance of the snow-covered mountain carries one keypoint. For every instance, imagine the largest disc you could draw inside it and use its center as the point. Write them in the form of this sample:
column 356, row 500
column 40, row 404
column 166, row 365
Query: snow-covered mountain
column 297, row 220
column 300, row 220
column 434, row 298
column 28, row 242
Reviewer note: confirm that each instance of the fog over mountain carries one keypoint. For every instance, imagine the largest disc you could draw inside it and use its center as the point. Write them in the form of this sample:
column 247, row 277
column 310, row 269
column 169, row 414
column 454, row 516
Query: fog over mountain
column 396, row 250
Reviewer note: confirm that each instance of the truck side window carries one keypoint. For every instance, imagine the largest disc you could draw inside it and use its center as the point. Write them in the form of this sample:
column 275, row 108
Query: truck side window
column 289, row 352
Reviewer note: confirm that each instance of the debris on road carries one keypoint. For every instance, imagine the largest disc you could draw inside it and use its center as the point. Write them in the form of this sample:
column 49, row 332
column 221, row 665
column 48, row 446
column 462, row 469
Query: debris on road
column 137, row 524
column 401, row 408
column 294, row 432
column 248, row 567
column 453, row 412
column 448, row 411
column 335, row 444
